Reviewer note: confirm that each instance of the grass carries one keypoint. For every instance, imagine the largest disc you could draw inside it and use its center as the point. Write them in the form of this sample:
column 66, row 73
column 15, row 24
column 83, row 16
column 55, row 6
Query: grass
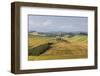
column 69, row 48
column 54, row 57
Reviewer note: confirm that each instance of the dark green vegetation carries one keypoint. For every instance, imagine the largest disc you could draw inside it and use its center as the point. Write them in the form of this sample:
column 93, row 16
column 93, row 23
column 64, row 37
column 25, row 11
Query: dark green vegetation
column 36, row 51
column 54, row 46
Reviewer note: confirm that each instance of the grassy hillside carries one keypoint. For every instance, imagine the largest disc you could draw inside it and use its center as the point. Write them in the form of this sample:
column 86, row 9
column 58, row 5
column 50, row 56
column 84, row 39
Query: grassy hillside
column 67, row 48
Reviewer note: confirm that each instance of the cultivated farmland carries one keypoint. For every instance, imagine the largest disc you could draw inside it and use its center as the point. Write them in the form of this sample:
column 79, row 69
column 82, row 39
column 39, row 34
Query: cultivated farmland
column 49, row 47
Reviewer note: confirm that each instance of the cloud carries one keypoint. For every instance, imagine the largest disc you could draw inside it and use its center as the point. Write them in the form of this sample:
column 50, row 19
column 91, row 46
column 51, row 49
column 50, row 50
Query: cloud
column 58, row 23
column 47, row 22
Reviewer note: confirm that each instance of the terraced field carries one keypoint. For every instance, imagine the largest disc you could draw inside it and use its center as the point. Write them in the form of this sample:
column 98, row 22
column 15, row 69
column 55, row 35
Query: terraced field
column 50, row 48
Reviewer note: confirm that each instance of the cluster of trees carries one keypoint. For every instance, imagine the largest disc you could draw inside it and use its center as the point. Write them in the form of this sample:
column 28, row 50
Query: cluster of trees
column 53, row 34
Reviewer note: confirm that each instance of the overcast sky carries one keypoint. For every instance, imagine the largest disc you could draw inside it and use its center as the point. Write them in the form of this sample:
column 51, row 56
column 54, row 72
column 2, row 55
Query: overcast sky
column 42, row 23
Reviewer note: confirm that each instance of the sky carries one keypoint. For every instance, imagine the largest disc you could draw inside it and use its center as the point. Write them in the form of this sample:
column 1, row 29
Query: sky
column 43, row 23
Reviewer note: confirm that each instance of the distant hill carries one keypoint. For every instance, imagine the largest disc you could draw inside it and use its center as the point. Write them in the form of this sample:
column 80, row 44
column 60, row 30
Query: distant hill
column 34, row 33
column 53, row 34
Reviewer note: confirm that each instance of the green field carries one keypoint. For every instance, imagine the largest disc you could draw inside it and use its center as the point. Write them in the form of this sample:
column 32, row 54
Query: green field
column 47, row 48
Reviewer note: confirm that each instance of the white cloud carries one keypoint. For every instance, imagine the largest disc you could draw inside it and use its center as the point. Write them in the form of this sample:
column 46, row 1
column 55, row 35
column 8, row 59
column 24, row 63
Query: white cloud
column 47, row 22
column 53, row 23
